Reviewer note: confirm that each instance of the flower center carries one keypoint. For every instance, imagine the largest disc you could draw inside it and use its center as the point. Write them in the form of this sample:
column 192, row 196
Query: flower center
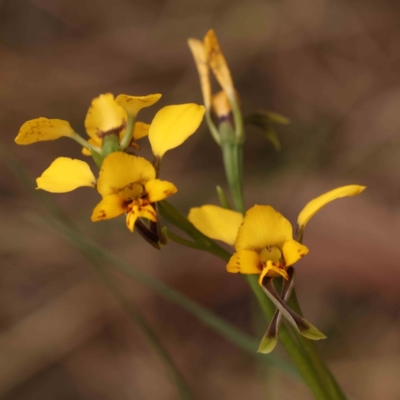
column 133, row 191
column 271, row 253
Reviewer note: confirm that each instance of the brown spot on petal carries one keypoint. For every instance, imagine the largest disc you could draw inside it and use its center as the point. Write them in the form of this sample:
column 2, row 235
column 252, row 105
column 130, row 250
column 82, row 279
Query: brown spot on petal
column 113, row 131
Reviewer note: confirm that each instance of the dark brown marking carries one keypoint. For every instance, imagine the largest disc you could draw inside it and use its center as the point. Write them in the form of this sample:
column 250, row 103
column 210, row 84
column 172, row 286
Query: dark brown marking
column 114, row 131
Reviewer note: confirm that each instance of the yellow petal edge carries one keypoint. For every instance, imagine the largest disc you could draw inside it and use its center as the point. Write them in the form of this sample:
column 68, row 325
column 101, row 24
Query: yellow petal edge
column 172, row 125
column 158, row 190
column 216, row 222
column 133, row 104
column 110, row 206
column 263, row 226
column 245, row 262
column 200, row 58
column 42, row 129
column 218, row 63
column 121, row 169
column 104, row 115
column 315, row 205
column 65, row 175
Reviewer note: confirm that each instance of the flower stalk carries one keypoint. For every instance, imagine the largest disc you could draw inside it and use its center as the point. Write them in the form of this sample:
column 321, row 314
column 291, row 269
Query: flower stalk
column 329, row 380
column 84, row 143
column 304, row 364
column 127, row 139
column 231, row 154
column 110, row 144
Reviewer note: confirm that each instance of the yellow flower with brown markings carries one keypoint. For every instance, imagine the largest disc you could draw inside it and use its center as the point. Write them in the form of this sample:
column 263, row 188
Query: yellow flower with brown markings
column 264, row 244
column 263, row 238
column 128, row 185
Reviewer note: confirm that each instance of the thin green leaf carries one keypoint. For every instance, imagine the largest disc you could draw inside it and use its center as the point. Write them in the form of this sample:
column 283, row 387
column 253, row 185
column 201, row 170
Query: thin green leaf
column 272, row 137
column 275, row 117
column 222, row 198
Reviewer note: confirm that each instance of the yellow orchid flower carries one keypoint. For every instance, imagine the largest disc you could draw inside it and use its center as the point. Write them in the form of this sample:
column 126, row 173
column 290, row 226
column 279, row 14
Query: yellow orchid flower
column 105, row 116
column 264, row 245
column 127, row 184
column 263, row 238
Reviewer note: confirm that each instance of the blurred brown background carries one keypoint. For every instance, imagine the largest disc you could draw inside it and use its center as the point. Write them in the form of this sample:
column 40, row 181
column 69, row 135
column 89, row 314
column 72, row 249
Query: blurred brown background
column 331, row 66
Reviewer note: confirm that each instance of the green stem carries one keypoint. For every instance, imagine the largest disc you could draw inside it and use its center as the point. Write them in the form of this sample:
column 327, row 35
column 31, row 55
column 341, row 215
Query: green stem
column 232, row 154
column 309, row 347
column 211, row 126
column 78, row 138
column 171, row 214
column 183, row 242
column 127, row 139
column 238, row 119
column 223, row 199
column 97, row 158
column 110, row 144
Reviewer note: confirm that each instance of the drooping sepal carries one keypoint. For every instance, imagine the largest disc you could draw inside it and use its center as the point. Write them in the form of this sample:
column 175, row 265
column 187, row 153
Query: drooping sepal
column 223, row 199
column 302, row 326
column 270, row 338
column 147, row 234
